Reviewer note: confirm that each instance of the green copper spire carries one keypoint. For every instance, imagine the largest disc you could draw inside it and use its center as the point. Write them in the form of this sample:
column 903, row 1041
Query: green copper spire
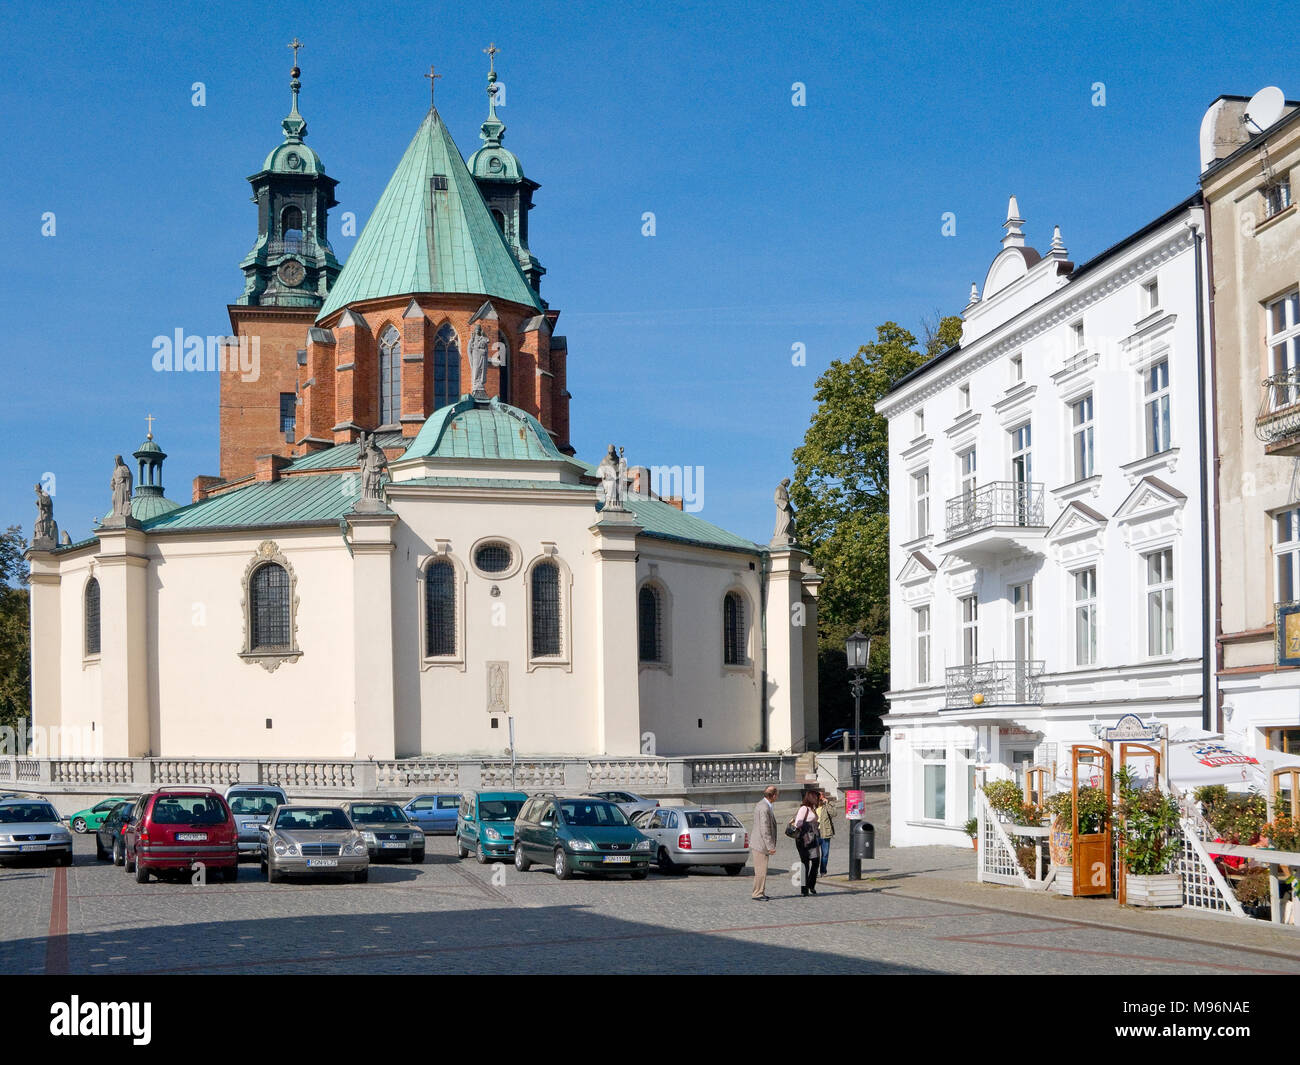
column 294, row 125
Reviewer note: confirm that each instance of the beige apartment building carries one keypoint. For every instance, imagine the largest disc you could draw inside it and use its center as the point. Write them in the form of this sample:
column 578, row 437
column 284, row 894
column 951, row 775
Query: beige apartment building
column 1250, row 161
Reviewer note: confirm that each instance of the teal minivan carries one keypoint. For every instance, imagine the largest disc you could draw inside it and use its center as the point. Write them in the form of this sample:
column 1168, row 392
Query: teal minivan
column 580, row 834
column 485, row 824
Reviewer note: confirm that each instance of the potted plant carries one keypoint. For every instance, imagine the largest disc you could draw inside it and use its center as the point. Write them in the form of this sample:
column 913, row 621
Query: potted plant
column 1150, row 844
column 972, row 829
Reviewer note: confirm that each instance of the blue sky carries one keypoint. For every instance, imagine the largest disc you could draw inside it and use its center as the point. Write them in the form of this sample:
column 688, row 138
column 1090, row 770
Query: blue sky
column 776, row 225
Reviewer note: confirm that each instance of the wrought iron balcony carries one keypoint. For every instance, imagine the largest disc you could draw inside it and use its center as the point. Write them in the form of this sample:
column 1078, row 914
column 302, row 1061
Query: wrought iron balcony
column 303, row 246
column 1001, row 683
column 1278, row 423
column 995, row 519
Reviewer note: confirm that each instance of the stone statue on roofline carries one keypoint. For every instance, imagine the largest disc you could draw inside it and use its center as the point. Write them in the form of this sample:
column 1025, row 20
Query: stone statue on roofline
column 373, row 467
column 46, row 533
column 784, row 535
column 478, row 363
column 121, row 485
column 612, row 472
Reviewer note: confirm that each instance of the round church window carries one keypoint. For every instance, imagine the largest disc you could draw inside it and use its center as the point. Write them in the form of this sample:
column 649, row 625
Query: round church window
column 492, row 558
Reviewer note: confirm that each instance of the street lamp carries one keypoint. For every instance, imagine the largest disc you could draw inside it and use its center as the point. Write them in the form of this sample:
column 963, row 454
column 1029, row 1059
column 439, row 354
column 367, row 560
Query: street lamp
column 858, row 651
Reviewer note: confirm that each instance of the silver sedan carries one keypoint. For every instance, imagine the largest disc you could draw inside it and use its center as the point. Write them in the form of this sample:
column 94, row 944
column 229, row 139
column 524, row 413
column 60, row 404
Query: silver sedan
column 693, row 835
column 313, row 840
column 31, row 828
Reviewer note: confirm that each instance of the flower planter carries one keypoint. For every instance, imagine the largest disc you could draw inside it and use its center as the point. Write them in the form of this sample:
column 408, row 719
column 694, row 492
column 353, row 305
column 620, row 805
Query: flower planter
column 1064, row 882
column 1157, row 890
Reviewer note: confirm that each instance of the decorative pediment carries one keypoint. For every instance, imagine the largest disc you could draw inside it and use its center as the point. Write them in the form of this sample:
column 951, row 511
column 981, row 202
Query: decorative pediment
column 1076, row 520
column 1150, row 498
column 916, row 570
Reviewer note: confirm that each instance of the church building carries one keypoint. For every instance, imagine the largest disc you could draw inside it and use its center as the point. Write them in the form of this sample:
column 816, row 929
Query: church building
column 402, row 554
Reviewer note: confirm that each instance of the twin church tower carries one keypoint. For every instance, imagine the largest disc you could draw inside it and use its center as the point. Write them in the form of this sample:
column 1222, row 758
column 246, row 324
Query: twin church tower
column 382, row 341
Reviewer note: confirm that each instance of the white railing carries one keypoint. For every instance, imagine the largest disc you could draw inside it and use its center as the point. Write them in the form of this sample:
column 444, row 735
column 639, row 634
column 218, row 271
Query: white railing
column 333, row 776
column 525, row 775
column 398, row 775
column 997, row 859
column 631, row 773
column 757, row 770
column 114, row 771
column 1204, row 887
column 213, row 774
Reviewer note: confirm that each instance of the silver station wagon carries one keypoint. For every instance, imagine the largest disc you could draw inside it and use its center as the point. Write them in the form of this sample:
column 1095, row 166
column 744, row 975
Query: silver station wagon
column 692, row 835
column 313, row 841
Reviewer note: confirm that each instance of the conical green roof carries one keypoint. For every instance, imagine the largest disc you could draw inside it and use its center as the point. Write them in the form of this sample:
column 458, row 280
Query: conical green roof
column 423, row 238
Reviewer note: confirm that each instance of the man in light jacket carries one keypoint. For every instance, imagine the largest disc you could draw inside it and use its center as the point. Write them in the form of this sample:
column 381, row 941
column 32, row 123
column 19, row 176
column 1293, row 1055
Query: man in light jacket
column 764, row 840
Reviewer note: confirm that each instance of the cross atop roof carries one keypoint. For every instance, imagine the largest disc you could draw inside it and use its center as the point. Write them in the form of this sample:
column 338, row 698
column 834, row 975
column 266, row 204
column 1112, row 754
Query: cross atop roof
column 433, row 77
column 491, row 52
column 295, row 44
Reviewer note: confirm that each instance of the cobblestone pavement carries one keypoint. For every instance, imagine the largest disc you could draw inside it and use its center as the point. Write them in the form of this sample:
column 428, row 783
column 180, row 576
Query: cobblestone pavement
column 917, row 911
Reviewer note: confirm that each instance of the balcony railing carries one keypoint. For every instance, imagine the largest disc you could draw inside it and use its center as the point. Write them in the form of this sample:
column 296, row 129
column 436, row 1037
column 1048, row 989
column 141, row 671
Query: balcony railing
column 999, row 683
column 1014, row 503
column 1279, row 410
column 303, row 246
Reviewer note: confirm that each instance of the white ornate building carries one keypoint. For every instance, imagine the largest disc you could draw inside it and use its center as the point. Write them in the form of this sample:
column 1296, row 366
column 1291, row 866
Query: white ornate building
column 1046, row 517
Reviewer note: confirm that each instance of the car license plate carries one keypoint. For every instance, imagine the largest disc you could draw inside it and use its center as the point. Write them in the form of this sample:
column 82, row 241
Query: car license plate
column 715, row 837
column 31, row 847
column 322, row 863
column 191, row 837
column 393, row 846
column 617, row 859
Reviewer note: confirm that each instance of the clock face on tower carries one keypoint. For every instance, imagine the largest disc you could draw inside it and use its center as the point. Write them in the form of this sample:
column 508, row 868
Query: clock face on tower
column 291, row 272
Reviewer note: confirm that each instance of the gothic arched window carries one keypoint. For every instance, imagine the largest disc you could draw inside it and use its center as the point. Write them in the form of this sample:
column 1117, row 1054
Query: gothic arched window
column 733, row 630
column 268, row 609
column 649, row 624
column 440, row 609
column 390, row 376
column 546, row 610
column 92, row 617
column 446, row 368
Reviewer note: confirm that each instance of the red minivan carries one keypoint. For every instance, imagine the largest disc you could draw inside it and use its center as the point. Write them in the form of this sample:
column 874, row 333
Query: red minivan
column 174, row 828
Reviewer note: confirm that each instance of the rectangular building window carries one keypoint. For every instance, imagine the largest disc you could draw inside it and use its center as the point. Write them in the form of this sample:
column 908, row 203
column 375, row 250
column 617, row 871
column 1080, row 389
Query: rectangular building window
column 921, row 622
column 1277, row 198
column 1157, row 408
column 1084, row 465
column 1160, row 602
column 1283, row 327
column 1286, row 555
column 970, row 630
column 287, row 413
column 1085, row 617
column 921, row 499
column 934, row 783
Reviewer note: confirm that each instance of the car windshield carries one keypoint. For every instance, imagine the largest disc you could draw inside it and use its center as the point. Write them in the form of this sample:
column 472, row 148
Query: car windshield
column 711, row 819
column 188, row 810
column 384, row 813
column 499, row 809
column 257, row 803
column 594, row 814
column 314, row 819
column 27, row 813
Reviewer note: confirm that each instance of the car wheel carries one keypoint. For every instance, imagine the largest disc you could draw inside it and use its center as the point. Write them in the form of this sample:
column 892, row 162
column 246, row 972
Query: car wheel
column 272, row 875
column 638, row 874
column 462, row 851
column 361, row 876
column 666, row 864
column 562, row 869
column 417, row 858
column 78, row 824
column 521, row 862
column 231, row 873
column 734, row 870
column 482, row 855
column 118, row 856
column 100, row 853
column 127, row 863
column 141, row 873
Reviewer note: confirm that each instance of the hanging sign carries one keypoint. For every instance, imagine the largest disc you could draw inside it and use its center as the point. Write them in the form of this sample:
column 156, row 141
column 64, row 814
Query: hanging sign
column 1288, row 634
column 1131, row 727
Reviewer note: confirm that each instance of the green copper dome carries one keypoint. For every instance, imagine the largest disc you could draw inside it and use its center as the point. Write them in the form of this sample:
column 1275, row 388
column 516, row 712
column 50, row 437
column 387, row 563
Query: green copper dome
column 147, row 499
column 484, row 430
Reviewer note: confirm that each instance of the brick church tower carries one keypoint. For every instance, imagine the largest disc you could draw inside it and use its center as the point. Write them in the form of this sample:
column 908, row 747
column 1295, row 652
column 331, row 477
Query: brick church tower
column 384, row 341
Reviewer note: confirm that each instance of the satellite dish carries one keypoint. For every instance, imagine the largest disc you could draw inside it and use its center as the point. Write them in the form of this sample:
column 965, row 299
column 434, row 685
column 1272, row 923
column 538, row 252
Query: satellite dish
column 1265, row 108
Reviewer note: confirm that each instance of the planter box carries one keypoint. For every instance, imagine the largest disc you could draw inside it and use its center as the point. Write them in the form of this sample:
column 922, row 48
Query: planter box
column 1064, row 882
column 1161, row 889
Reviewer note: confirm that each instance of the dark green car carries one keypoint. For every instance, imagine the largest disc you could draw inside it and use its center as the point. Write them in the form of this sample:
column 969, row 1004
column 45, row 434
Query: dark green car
column 579, row 835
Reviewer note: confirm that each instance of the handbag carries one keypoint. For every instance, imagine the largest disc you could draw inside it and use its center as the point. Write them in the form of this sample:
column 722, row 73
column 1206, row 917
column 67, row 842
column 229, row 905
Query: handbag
column 791, row 831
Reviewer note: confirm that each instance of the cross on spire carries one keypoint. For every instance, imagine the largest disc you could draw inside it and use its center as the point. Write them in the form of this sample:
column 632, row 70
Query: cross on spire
column 433, row 77
column 295, row 44
column 150, row 420
column 491, row 52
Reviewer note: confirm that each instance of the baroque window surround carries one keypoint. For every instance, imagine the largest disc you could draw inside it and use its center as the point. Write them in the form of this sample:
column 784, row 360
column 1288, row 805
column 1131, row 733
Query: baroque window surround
column 442, row 553
column 268, row 551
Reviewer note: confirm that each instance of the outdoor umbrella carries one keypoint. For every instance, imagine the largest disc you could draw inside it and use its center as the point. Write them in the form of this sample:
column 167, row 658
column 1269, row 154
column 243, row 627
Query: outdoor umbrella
column 1197, row 758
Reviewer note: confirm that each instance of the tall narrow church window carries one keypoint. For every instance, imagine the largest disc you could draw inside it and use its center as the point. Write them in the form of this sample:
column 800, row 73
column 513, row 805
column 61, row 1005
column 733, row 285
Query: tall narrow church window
column 733, row 630
column 446, row 368
column 287, row 419
column 92, row 617
column 390, row 376
column 269, row 608
column 440, row 609
column 546, row 610
column 650, row 631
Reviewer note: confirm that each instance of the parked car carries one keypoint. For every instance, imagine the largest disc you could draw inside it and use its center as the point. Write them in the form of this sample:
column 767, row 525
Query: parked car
column 313, row 840
column 174, row 828
column 89, row 820
column 252, row 804
column 31, row 828
column 693, row 835
column 579, row 835
column 435, row 812
column 108, row 836
column 485, row 824
column 387, row 830
column 629, row 802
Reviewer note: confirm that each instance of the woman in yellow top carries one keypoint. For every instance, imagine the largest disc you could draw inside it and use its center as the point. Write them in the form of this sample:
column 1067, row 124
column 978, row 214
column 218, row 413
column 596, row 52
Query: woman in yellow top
column 826, row 827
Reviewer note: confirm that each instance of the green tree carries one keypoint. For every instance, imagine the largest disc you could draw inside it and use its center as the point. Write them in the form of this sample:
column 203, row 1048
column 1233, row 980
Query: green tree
column 15, row 634
column 841, row 492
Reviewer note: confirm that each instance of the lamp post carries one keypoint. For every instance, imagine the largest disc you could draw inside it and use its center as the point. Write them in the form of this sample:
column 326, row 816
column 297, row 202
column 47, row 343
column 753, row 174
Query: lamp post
column 858, row 651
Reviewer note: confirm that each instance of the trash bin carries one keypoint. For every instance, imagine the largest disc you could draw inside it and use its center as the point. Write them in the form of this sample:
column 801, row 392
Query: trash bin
column 863, row 841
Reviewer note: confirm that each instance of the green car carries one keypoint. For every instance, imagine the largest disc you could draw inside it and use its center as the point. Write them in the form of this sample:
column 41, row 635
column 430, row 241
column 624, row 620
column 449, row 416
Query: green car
column 90, row 820
column 579, row 835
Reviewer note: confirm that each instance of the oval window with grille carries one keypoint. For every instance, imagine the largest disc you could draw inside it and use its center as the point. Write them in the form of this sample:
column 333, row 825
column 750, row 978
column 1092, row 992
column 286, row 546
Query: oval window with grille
column 492, row 558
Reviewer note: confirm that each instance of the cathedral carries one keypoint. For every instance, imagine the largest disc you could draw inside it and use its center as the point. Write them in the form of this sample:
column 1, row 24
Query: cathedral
column 402, row 554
